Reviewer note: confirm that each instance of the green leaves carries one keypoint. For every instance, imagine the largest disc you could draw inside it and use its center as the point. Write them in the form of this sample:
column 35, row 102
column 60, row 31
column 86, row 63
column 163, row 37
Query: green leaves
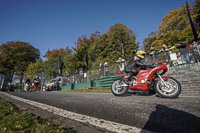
column 16, row 56
column 34, row 68
column 174, row 27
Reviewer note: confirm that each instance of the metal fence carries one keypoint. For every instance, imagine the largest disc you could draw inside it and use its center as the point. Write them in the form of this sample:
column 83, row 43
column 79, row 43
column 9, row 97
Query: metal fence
column 173, row 58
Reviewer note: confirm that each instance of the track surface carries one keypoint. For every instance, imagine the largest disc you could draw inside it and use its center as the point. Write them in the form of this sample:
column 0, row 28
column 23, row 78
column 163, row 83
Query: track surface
column 147, row 112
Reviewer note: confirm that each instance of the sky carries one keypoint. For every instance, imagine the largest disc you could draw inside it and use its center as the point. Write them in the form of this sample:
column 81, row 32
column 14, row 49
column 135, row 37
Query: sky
column 54, row 24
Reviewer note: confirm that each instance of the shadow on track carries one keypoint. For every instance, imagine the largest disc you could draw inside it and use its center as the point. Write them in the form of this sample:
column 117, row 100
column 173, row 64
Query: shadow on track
column 169, row 120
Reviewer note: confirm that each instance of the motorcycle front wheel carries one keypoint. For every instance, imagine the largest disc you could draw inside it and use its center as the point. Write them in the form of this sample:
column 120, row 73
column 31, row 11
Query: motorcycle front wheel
column 119, row 88
column 171, row 89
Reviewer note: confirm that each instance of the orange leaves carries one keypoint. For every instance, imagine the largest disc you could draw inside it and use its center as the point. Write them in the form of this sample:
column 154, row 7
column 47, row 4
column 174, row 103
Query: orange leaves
column 54, row 53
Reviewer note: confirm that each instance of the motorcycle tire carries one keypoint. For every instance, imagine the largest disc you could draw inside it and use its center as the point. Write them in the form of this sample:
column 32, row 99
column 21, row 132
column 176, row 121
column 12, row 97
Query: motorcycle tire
column 171, row 90
column 117, row 89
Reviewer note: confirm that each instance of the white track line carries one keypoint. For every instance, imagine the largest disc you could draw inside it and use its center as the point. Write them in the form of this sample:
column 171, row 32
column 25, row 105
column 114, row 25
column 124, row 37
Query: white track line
column 100, row 123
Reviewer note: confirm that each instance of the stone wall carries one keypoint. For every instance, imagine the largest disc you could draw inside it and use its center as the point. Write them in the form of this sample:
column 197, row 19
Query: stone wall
column 189, row 77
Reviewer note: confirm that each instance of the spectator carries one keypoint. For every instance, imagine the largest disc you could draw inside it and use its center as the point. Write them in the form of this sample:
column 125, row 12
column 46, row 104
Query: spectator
column 167, row 50
column 195, row 52
column 81, row 75
column 184, row 52
column 100, row 70
column 153, row 53
column 28, row 81
column 106, row 68
column 121, row 62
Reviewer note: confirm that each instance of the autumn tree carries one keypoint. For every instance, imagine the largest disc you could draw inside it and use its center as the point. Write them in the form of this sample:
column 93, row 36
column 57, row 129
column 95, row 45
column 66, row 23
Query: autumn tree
column 81, row 51
column 34, row 69
column 122, row 42
column 15, row 56
column 69, row 62
column 117, row 41
column 56, row 55
column 50, row 68
column 196, row 13
column 174, row 27
column 59, row 62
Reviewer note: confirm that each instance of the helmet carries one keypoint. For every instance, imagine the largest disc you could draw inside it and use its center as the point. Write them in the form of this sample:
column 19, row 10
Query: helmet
column 140, row 54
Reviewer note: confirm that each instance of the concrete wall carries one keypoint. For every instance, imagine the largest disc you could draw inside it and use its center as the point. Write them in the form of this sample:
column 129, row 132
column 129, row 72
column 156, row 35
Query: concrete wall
column 188, row 76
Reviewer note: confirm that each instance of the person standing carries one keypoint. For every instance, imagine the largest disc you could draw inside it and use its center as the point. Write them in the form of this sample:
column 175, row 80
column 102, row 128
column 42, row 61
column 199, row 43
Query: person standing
column 167, row 50
column 195, row 52
column 81, row 75
column 183, row 51
column 100, row 70
column 153, row 53
column 121, row 62
column 106, row 68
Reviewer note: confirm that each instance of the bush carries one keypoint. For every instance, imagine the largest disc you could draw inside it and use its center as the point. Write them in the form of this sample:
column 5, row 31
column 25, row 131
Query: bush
column 19, row 86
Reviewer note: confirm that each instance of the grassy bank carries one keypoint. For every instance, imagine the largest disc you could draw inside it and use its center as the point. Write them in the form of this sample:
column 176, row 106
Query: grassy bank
column 93, row 89
column 12, row 120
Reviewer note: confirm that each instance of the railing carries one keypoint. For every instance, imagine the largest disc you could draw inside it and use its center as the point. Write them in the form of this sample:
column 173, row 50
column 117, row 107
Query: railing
column 173, row 59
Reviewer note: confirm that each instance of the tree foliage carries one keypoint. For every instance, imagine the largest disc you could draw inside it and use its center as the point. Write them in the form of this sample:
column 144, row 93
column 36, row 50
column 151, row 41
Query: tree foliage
column 87, row 53
column 174, row 27
column 34, row 69
column 105, row 47
column 55, row 53
column 58, row 59
column 16, row 56
column 196, row 13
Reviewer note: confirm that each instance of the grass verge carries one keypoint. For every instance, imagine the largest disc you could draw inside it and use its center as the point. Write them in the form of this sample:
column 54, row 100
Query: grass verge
column 12, row 120
column 92, row 89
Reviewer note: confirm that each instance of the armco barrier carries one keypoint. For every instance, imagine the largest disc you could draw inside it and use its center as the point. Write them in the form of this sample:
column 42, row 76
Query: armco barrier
column 77, row 86
column 106, row 82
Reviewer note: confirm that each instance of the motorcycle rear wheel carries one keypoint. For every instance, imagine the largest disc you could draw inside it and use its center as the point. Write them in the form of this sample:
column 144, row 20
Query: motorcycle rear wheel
column 119, row 88
column 171, row 90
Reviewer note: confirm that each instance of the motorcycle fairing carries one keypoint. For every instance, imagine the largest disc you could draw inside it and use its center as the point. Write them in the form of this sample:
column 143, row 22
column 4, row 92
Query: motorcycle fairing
column 147, row 75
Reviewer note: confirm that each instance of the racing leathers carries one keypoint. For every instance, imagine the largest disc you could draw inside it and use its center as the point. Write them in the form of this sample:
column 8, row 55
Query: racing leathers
column 133, row 66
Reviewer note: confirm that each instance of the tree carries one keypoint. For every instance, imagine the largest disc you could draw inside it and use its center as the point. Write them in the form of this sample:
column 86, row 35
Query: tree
column 50, row 68
column 81, row 51
column 59, row 62
column 69, row 61
column 34, row 69
column 118, row 41
column 174, row 27
column 56, row 55
column 121, row 36
column 15, row 56
column 196, row 13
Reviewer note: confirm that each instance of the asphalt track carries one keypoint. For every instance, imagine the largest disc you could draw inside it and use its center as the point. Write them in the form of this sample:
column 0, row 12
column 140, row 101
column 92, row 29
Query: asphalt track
column 147, row 112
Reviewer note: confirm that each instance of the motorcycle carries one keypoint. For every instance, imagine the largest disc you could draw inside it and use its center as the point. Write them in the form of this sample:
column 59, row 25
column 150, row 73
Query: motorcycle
column 34, row 85
column 27, row 86
column 148, row 79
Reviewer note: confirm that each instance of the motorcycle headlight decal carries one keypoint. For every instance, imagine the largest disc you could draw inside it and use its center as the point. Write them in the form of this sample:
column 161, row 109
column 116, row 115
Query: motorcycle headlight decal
column 143, row 81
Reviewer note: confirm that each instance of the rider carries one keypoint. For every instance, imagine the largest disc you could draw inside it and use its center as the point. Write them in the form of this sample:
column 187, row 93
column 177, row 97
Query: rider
column 135, row 63
column 35, row 82
column 28, row 81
